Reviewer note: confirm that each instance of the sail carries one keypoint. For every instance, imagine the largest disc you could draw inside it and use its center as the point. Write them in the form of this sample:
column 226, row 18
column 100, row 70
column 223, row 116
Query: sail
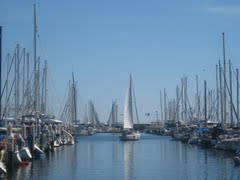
column 128, row 110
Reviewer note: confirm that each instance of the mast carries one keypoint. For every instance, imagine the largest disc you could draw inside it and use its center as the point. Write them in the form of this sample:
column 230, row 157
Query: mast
column 231, row 101
column 220, row 92
column 38, row 84
column 23, row 80
column 17, row 82
column 198, row 103
column 74, row 100
column 161, row 106
column 7, row 76
column 177, row 103
column 165, row 105
column 182, row 99
column 205, row 102
column 28, row 85
column 237, row 100
column 0, row 72
column 217, row 90
column 116, row 112
column 224, row 84
column 45, row 88
column 35, row 60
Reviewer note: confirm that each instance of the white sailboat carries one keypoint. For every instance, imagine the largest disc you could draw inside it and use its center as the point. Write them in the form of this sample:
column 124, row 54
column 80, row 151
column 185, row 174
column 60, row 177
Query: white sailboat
column 128, row 133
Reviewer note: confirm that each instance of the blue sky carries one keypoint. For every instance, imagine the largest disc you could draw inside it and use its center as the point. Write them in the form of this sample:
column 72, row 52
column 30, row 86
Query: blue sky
column 103, row 41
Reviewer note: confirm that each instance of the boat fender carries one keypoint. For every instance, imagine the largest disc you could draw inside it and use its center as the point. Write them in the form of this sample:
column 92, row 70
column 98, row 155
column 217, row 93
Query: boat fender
column 236, row 160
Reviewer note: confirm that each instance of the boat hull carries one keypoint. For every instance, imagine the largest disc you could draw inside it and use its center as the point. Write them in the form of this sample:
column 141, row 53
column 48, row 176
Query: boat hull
column 134, row 136
column 25, row 153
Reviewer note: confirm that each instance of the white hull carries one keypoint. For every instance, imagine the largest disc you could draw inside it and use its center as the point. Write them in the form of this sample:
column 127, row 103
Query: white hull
column 133, row 136
column 37, row 149
column 16, row 157
column 25, row 153
column 3, row 169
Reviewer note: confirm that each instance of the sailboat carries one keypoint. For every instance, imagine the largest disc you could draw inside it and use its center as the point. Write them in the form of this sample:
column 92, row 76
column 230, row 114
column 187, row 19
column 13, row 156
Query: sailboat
column 129, row 134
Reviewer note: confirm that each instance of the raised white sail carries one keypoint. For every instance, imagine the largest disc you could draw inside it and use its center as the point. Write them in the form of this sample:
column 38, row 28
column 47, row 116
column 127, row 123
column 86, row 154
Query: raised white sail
column 128, row 133
column 128, row 109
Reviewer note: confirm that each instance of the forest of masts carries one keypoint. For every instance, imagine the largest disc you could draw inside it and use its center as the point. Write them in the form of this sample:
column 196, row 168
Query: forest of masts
column 24, row 91
column 220, row 105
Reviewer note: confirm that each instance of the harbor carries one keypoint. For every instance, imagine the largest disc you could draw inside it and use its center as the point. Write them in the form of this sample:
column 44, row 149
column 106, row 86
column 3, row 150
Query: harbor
column 88, row 111
column 103, row 156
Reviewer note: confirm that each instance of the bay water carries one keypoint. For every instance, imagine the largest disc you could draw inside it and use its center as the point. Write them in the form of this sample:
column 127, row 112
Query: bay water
column 104, row 157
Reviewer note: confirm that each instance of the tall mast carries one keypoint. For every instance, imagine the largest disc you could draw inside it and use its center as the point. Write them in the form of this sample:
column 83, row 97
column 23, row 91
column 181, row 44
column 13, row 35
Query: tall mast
column 217, row 91
column 198, row 103
column 165, row 105
column 161, row 106
column 237, row 100
column 182, row 99
column 28, row 85
column 224, row 84
column 220, row 92
column 231, row 101
column 74, row 100
column 45, row 88
column 0, row 72
column 185, row 99
column 38, row 84
column 17, row 83
column 177, row 103
column 205, row 102
column 23, row 80
column 35, row 60
column 7, row 77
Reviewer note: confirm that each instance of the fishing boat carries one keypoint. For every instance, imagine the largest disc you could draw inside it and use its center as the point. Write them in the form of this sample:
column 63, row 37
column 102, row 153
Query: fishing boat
column 129, row 134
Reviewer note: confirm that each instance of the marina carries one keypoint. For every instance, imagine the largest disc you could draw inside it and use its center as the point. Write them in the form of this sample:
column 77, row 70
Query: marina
column 103, row 156
column 110, row 122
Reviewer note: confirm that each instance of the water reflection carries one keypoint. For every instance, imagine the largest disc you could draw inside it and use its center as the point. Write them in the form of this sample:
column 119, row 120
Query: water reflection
column 103, row 156
column 128, row 159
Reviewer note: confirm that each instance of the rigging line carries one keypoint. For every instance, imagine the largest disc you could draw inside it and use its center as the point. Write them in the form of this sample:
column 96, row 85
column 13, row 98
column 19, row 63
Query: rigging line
column 135, row 103
column 8, row 98
column 62, row 104
column 9, row 70
column 234, row 109
column 54, row 86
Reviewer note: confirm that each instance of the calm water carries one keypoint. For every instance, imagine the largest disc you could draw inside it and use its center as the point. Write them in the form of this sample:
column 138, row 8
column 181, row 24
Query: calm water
column 104, row 157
